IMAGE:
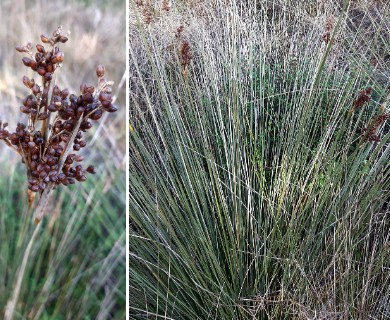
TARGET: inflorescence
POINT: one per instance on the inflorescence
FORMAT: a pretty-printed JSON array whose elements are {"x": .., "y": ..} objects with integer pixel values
[{"x": 50, "y": 141}]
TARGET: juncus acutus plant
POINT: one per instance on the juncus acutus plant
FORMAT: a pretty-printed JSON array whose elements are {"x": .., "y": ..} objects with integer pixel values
[{"x": 51, "y": 133}]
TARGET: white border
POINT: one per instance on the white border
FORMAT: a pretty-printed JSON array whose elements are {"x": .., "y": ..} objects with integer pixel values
[{"x": 127, "y": 160}]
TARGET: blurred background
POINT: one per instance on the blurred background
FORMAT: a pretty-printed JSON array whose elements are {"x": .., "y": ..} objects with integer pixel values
[{"x": 76, "y": 268}]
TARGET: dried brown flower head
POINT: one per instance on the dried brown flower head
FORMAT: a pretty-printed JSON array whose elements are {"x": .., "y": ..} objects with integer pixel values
[
  {"x": 370, "y": 132},
  {"x": 56, "y": 120},
  {"x": 363, "y": 97},
  {"x": 184, "y": 50}
]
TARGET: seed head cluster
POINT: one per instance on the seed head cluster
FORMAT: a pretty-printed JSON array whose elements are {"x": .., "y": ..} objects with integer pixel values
[
  {"x": 56, "y": 120},
  {"x": 184, "y": 50},
  {"x": 363, "y": 97},
  {"x": 370, "y": 131}
]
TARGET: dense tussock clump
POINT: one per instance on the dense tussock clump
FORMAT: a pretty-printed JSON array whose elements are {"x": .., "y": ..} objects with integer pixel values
[{"x": 258, "y": 173}]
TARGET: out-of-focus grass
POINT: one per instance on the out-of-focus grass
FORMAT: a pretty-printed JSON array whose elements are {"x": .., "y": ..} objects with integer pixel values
[
  {"x": 77, "y": 266},
  {"x": 76, "y": 269}
]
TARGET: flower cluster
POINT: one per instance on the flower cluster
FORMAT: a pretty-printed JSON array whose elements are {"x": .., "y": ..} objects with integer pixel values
[
  {"x": 363, "y": 97},
  {"x": 329, "y": 24},
  {"x": 50, "y": 141},
  {"x": 370, "y": 132},
  {"x": 184, "y": 50},
  {"x": 147, "y": 10}
]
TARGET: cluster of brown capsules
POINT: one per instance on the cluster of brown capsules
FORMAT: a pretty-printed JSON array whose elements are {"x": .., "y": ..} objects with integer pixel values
[{"x": 50, "y": 141}]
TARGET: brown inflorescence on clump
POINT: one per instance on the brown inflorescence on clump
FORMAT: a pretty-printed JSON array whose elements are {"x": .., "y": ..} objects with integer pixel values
[
  {"x": 57, "y": 120},
  {"x": 329, "y": 25},
  {"x": 147, "y": 10},
  {"x": 184, "y": 50},
  {"x": 363, "y": 97},
  {"x": 369, "y": 133}
]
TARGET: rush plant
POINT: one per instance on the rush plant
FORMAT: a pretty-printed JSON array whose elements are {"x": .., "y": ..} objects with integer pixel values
[{"x": 259, "y": 178}]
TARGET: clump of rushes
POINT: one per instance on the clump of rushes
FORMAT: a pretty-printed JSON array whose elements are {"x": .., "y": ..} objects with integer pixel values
[{"x": 56, "y": 121}]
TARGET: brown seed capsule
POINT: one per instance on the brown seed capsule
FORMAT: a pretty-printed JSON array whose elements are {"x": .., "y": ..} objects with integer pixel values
[
  {"x": 21, "y": 49},
  {"x": 29, "y": 101},
  {"x": 69, "y": 112},
  {"x": 100, "y": 71},
  {"x": 80, "y": 111},
  {"x": 82, "y": 87},
  {"x": 43, "y": 116},
  {"x": 87, "y": 98},
  {"x": 96, "y": 115},
  {"x": 32, "y": 181},
  {"x": 62, "y": 39},
  {"x": 39, "y": 57},
  {"x": 52, "y": 172},
  {"x": 25, "y": 109},
  {"x": 36, "y": 89},
  {"x": 50, "y": 161},
  {"x": 33, "y": 65},
  {"x": 31, "y": 144},
  {"x": 112, "y": 108},
  {"x": 106, "y": 104},
  {"x": 44, "y": 38},
  {"x": 64, "y": 137},
  {"x": 41, "y": 71},
  {"x": 31, "y": 83},
  {"x": 56, "y": 91},
  {"x": 49, "y": 68},
  {"x": 43, "y": 174},
  {"x": 82, "y": 178},
  {"x": 48, "y": 76},
  {"x": 35, "y": 173},
  {"x": 26, "y": 81},
  {"x": 91, "y": 169},
  {"x": 34, "y": 188},
  {"x": 85, "y": 125},
  {"x": 105, "y": 97},
  {"x": 58, "y": 57},
  {"x": 52, "y": 107},
  {"x": 27, "y": 61},
  {"x": 42, "y": 186},
  {"x": 40, "y": 48},
  {"x": 64, "y": 93},
  {"x": 33, "y": 165}
]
